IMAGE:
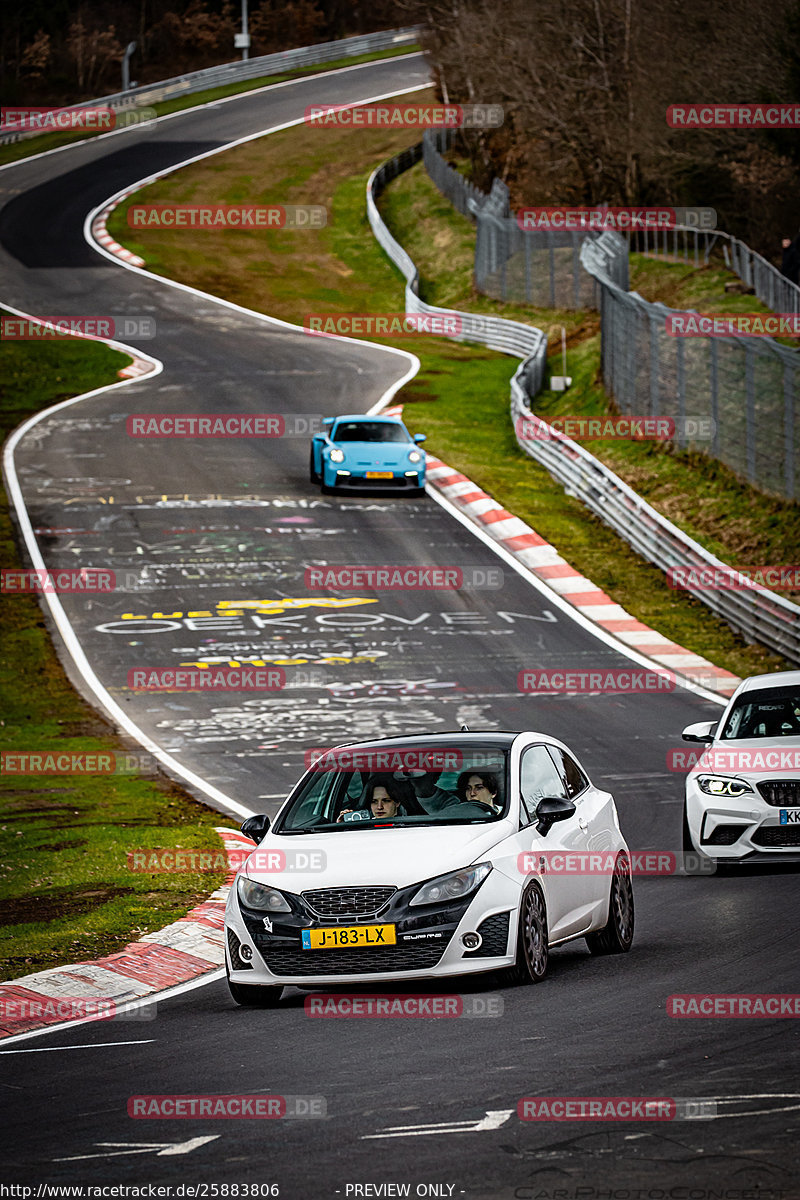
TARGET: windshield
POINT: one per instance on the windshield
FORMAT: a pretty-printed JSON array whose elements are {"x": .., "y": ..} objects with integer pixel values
[
  {"x": 768, "y": 713},
  {"x": 369, "y": 431},
  {"x": 449, "y": 786}
]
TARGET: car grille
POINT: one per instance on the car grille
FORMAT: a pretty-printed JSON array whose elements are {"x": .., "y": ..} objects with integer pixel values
[
  {"x": 494, "y": 931},
  {"x": 724, "y": 835},
  {"x": 237, "y": 962},
  {"x": 347, "y": 902},
  {"x": 353, "y": 962},
  {"x": 781, "y": 793},
  {"x": 777, "y": 835}
]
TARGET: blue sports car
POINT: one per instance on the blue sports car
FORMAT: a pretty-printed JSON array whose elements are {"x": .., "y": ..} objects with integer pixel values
[{"x": 367, "y": 452}]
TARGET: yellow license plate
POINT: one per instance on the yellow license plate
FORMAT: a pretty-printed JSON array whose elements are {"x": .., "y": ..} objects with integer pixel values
[
  {"x": 349, "y": 936},
  {"x": 380, "y": 475}
]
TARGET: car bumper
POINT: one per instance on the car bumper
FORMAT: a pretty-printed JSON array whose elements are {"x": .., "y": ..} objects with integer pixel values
[
  {"x": 429, "y": 944},
  {"x": 400, "y": 481},
  {"x": 744, "y": 828}
]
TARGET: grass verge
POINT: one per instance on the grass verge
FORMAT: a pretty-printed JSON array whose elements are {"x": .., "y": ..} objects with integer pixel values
[
  {"x": 17, "y": 151},
  {"x": 65, "y": 886},
  {"x": 460, "y": 398}
]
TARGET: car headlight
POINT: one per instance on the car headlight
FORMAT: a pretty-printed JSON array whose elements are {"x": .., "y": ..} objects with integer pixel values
[
  {"x": 453, "y": 886},
  {"x": 414, "y": 456},
  {"x": 260, "y": 896},
  {"x": 722, "y": 785},
  {"x": 336, "y": 455}
]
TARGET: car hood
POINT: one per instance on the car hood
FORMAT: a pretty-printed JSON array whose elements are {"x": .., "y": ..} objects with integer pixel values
[
  {"x": 752, "y": 758},
  {"x": 380, "y": 856},
  {"x": 371, "y": 453}
]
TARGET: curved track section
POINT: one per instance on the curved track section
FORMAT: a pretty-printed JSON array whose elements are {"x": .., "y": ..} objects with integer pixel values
[{"x": 215, "y": 538}]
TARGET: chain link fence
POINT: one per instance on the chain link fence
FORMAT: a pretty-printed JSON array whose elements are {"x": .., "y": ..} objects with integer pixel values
[
  {"x": 526, "y": 266},
  {"x": 685, "y": 244},
  {"x": 745, "y": 389}
]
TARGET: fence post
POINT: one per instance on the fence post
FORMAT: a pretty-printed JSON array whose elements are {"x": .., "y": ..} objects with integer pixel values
[
  {"x": 750, "y": 412},
  {"x": 713, "y": 350},
  {"x": 789, "y": 377}
]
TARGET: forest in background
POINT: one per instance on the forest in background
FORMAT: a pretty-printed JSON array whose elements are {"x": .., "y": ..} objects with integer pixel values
[{"x": 585, "y": 84}]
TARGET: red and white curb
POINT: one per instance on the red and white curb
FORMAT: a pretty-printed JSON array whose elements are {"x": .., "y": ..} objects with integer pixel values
[
  {"x": 101, "y": 234},
  {"x": 544, "y": 561},
  {"x": 139, "y": 366},
  {"x": 185, "y": 950}
]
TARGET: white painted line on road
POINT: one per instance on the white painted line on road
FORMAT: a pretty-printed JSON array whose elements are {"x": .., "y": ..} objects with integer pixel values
[
  {"x": 494, "y": 1119},
  {"x": 162, "y": 1149},
  {"x": 145, "y": 1002},
  {"x": 85, "y": 1046}
]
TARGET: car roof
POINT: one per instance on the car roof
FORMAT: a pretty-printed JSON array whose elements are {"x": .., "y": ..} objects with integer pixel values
[
  {"x": 367, "y": 417},
  {"x": 754, "y": 683},
  {"x": 500, "y": 739}
]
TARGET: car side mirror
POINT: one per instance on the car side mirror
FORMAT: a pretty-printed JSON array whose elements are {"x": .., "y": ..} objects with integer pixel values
[
  {"x": 701, "y": 731},
  {"x": 255, "y": 827},
  {"x": 551, "y": 809},
  {"x": 327, "y": 421},
  {"x": 420, "y": 437}
]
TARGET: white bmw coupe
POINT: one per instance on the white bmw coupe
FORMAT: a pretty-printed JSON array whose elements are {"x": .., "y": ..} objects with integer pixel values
[
  {"x": 743, "y": 793},
  {"x": 426, "y": 857}
]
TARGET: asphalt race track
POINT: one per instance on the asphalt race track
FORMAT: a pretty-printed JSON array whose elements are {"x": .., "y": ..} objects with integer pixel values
[{"x": 208, "y": 535}]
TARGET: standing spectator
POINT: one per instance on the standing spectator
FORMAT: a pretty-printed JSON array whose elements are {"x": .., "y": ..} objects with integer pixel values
[{"x": 790, "y": 259}]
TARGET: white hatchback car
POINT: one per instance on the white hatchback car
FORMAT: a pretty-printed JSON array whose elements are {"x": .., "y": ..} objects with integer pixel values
[
  {"x": 743, "y": 794},
  {"x": 425, "y": 857}
]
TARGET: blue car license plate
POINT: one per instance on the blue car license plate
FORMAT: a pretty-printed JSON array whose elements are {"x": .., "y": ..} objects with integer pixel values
[{"x": 790, "y": 816}]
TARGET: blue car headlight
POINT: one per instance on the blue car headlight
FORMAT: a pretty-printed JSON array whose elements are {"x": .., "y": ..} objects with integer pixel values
[
  {"x": 336, "y": 455},
  {"x": 414, "y": 456}
]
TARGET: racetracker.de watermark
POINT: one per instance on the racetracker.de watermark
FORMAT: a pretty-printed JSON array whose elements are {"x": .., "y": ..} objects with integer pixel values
[
  {"x": 56, "y": 120},
  {"x": 44, "y": 329},
  {"x": 399, "y": 578},
  {"x": 220, "y": 425},
  {"x": 718, "y": 579},
  {"x": 595, "y": 679},
  {"x": 404, "y": 116},
  {"x": 226, "y": 1107},
  {"x": 397, "y": 324},
  {"x": 734, "y": 1004},
  {"x": 637, "y": 429},
  {"x": 641, "y": 862},
  {"x": 64, "y": 762},
  {"x": 620, "y": 220},
  {"x": 155, "y": 860},
  {"x": 227, "y": 216},
  {"x": 26, "y": 1011},
  {"x": 734, "y": 116},
  {"x": 65, "y": 581},
  {"x": 403, "y": 758},
  {"x": 402, "y": 1005},
  {"x": 730, "y": 761},
  {"x": 614, "y": 1108},
  {"x": 212, "y": 679},
  {"x": 689, "y": 324}
]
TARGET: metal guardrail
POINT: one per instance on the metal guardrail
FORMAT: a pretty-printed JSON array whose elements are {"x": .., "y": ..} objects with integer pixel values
[
  {"x": 683, "y": 242},
  {"x": 539, "y": 267},
  {"x": 756, "y": 613},
  {"x": 747, "y": 388},
  {"x": 510, "y": 337},
  {"x": 240, "y": 71}
]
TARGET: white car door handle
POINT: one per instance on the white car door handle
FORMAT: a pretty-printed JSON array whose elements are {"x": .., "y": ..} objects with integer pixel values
[{"x": 584, "y": 824}]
